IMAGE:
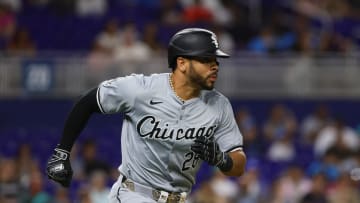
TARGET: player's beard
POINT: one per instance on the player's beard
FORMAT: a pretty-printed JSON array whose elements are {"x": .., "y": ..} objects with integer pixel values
[{"x": 199, "y": 80}]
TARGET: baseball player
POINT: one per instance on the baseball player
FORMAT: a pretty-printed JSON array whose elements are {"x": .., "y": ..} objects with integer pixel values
[{"x": 173, "y": 122}]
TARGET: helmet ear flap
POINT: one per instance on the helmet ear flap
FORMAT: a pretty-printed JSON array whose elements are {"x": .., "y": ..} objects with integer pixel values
[
  {"x": 172, "y": 57},
  {"x": 172, "y": 63}
]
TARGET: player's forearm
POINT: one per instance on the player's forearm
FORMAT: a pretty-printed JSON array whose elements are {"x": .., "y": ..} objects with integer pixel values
[
  {"x": 239, "y": 160},
  {"x": 78, "y": 118}
]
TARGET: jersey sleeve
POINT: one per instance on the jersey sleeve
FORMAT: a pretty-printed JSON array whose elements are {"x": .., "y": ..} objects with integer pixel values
[
  {"x": 119, "y": 94},
  {"x": 228, "y": 135}
]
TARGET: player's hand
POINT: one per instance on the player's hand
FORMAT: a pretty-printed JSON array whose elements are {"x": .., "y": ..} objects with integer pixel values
[
  {"x": 59, "y": 168},
  {"x": 208, "y": 150}
]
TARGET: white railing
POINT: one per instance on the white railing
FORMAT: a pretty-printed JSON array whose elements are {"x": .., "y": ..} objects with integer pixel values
[{"x": 246, "y": 75}]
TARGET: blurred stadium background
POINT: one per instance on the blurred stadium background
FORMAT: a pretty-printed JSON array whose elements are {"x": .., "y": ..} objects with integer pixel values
[{"x": 293, "y": 80}]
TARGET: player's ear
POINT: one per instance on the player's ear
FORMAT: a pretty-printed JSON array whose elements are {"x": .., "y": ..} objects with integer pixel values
[{"x": 181, "y": 63}]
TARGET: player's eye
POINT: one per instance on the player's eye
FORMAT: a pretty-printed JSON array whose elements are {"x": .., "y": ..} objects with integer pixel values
[{"x": 211, "y": 61}]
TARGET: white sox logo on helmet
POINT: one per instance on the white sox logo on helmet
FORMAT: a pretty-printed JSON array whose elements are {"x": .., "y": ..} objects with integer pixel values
[{"x": 214, "y": 41}]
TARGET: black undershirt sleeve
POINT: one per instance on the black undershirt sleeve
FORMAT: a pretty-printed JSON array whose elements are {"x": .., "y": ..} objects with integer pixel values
[{"x": 78, "y": 118}]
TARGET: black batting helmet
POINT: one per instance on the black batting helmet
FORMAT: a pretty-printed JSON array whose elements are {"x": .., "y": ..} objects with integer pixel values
[{"x": 193, "y": 42}]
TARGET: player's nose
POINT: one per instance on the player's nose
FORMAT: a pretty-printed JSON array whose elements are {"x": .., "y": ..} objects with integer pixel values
[{"x": 214, "y": 67}]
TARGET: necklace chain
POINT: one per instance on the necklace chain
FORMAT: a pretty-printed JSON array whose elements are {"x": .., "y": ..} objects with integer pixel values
[{"x": 173, "y": 89}]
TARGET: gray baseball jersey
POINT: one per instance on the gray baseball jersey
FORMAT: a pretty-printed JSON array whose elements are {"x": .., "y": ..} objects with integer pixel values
[{"x": 158, "y": 128}]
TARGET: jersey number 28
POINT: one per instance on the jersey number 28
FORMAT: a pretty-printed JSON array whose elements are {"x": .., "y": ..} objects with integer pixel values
[{"x": 191, "y": 160}]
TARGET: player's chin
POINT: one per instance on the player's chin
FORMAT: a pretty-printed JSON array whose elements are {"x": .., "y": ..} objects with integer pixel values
[{"x": 209, "y": 85}]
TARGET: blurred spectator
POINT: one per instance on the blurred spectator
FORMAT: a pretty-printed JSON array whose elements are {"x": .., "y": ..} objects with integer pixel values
[
  {"x": 21, "y": 43},
  {"x": 344, "y": 191},
  {"x": 350, "y": 162},
  {"x": 338, "y": 135},
  {"x": 131, "y": 48},
  {"x": 77, "y": 164},
  {"x": 170, "y": 12},
  {"x": 37, "y": 191},
  {"x": 264, "y": 42},
  {"x": 83, "y": 194},
  {"x": 7, "y": 23},
  {"x": 273, "y": 195},
  {"x": 10, "y": 188},
  {"x": 281, "y": 124},
  {"x": 91, "y": 162},
  {"x": 336, "y": 19},
  {"x": 281, "y": 151},
  {"x": 218, "y": 189},
  {"x": 285, "y": 35},
  {"x": 307, "y": 37},
  {"x": 14, "y": 5},
  {"x": 221, "y": 11},
  {"x": 334, "y": 42},
  {"x": 197, "y": 13},
  {"x": 328, "y": 25},
  {"x": 292, "y": 186},
  {"x": 98, "y": 190},
  {"x": 109, "y": 38},
  {"x": 151, "y": 39},
  {"x": 337, "y": 9},
  {"x": 327, "y": 165},
  {"x": 276, "y": 36},
  {"x": 204, "y": 194},
  {"x": 98, "y": 61},
  {"x": 250, "y": 186},
  {"x": 240, "y": 28},
  {"x": 317, "y": 193},
  {"x": 314, "y": 9},
  {"x": 91, "y": 7},
  {"x": 314, "y": 122},
  {"x": 25, "y": 164},
  {"x": 279, "y": 130},
  {"x": 99, "y": 58},
  {"x": 224, "y": 188},
  {"x": 61, "y": 195},
  {"x": 248, "y": 129}
]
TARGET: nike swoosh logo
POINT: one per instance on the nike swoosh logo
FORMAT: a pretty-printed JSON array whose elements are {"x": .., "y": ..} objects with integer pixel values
[{"x": 155, "y": 102}]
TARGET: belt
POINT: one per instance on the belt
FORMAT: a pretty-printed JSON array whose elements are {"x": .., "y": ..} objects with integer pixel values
[{"x": 158, "y": 195}]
